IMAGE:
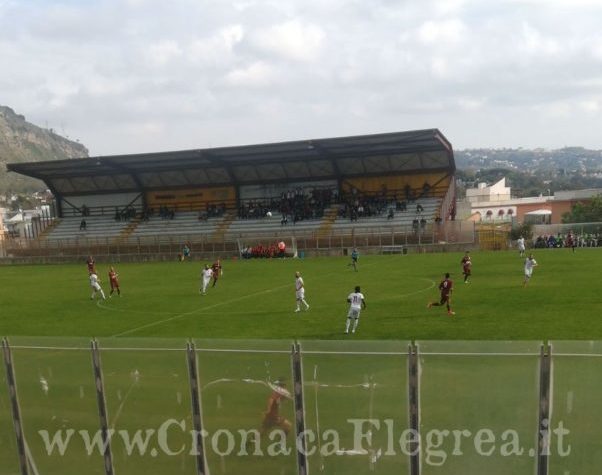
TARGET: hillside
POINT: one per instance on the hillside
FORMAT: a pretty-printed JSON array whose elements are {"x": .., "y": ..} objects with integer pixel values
[
  {"x": 21, "y": 141},
  {"x": 531, "y": 172}
]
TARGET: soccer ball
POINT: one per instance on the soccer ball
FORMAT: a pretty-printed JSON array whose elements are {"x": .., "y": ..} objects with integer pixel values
[{"x": 268, "y": 214}]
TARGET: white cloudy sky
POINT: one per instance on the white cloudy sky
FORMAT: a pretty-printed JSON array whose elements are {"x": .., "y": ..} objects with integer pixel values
[{"x": 127, "y": 76}]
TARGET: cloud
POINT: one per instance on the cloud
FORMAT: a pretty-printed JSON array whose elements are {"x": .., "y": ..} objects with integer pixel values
[
  {"x": 441, "y": 32},
  {"x": 158, "y": 75},
  {"x": 292, "y": 40},
  {"x": 258, "y": 74},
  {"x": 162, "y": 52}
]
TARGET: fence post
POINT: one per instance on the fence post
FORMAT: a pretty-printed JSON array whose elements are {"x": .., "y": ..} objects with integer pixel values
[
  {"x": 543, "y": 432},
  {"x": 102, "y": 408},
  {"x": 197, "y": 419},
  {"x": 300, "y": 440},
  {"x": 414, "y": 408},
  {"x": 16, "y": 410}
]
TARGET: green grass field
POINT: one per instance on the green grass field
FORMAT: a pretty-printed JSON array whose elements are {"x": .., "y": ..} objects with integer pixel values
[
  {"x": 142, "y": 335},
  {"x": 255, "y": 299}
]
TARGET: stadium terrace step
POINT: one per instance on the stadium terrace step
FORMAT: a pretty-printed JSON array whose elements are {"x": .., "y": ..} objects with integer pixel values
[
  {"x": 96, "y": 227},
  {"x": 330, "y": 216},
  {"x": 183, "y": 224},
  {"x": 48, "y": 229},
  {"x": 129, "y": 229},
  {"x": 222, "y": 227}
]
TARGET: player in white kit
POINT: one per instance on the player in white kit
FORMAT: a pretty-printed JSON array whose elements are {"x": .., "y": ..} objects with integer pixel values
[
  {"x": 206, "y": 275},
  {"x": 520, "y": 242},
  {"x": 300, "y": 292},
  {"x": 530, "y": 263},
  {"x": 95, "y": 284},
  {"x": 356, "y": 304}
]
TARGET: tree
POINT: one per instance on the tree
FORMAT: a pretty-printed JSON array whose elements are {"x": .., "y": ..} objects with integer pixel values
[{"x": 590, "y": 212}]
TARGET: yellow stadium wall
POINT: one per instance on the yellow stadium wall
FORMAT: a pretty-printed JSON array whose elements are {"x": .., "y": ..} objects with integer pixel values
[
  {"x": 192, "y": 198},
  {"x": 397, "y": 183}
]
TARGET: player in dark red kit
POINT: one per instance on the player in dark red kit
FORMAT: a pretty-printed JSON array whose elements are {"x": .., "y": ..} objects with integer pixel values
[
  {"x": 272, "y": 417},
  {"x": 113, "y": 279},
  {"x": 446, "y": 287},
  {"x": 91, "y": 263},
  {"x": 466, "y": 266},
  {"x": 216, "y": 267},
  {"x": 571, "y": 240}
]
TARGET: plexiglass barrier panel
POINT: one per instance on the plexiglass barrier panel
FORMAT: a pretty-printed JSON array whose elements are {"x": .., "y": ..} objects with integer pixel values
[
  {"x": 576, "y": 432},
  {"x": 58, "y": 405},
  {"x": 248, "y": 412},
  {"x": 479, "y": 407},
  {"x": 8, "y": 446},
  {"x": 356, "y": 406},
  {"x": 148, "y": 402}
]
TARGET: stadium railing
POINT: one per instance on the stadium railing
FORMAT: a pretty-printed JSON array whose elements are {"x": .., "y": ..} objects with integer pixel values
[
  {"x": 72, "y": 406},
  {"x": 372, "y": 239}
]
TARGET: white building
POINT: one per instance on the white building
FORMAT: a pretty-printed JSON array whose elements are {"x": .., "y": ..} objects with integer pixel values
[{"x": 496, "y": 192}]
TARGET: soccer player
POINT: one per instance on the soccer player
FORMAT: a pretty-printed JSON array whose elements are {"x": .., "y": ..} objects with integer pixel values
[
  {"x": 571, "y": 240},
  {"x": 466, "y": 266},
  {"x": 216, "y": 268},
  {"x": 300, "y": 292},
  {"x": 206, "y": 275},
  {"x": 354, "y": 257},
  {"x": 95, "y": 284},
  {"x": 272, "y": 417},
  {"x": 114, "y": 281},
  {"x": 186, "y": 252},
  {"x": 356, "y": 304},
  {"x": 520, "y": 242},
  {"x": 446, "y": 287},
  {"x": 530, "y": 263},
  {"x": 91, "y": 263}
]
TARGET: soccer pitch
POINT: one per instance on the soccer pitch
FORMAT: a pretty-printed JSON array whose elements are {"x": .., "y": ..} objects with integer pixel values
[
  {"x": 243, "y": 329},
  {"x": 255, "y": 299}
]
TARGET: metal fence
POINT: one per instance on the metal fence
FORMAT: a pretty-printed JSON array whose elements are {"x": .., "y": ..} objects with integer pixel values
[
  {"x": 139, "y": 406},
  {"x": 371, "y": 239}
]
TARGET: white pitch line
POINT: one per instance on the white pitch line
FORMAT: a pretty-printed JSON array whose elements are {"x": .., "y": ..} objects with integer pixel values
[
  {"x": 220, "y": 304},
  {"x": 195, "y": 311}
]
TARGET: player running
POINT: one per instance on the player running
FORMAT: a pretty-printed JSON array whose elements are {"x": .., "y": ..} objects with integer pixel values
[
  {"x": 520, "y": 242},
  {"x": 216, "y": 267},
  {"x": 300, "y": 292},
  {"x": 91, "y": 263},
  {"x": 354, "y": 257},
  {"x": 114, "y": 281},
  {"x": 206, "y": 275},
  {"x": 530, "y": 263},
  {"x": 356, "y": 304},
  {"x": 446, "y": 287},
  {"x": 272, "y": 417},
  {"x": 95, "y": 284},
  {"x": 466, "y": 267}
]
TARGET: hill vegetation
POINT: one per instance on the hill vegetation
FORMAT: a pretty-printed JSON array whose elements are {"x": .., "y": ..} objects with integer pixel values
[{"x": 21, "y": 141}]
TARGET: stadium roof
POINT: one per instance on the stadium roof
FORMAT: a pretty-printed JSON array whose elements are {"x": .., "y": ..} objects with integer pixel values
[{"x": 304, "y": 160}]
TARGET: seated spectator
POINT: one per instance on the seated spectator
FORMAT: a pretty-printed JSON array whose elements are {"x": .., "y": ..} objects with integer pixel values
[
  {"x": 419, "y": 208},
  {"x": 83, "y": 225},
  {"x": 391, "y": 214}
]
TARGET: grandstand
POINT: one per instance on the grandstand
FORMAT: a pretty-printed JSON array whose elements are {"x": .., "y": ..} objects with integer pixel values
[{"x": 396, "y": 184}]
